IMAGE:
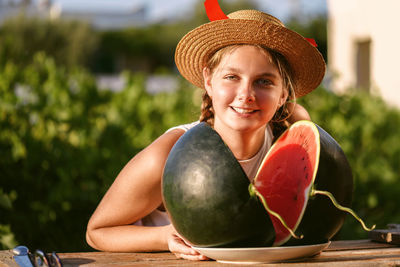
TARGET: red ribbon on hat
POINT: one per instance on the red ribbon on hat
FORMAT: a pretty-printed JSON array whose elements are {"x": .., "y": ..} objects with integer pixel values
[
  {"x": 312, "y": 41},
  {"x": 214, "y": 11}
]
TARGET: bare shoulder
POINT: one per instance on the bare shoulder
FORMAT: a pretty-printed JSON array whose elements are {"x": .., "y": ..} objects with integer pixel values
[
  {"x": 143, "y": 173},
  {"x": 162, "y": 145},
  {"x": 299, "y": 113},
  {"x": 153, "y": 157}
]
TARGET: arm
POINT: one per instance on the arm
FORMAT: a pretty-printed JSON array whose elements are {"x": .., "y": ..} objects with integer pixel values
[{"x": 134, "y": 194}]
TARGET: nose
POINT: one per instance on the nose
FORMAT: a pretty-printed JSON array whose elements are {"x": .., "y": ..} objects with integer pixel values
[{"x": 246, "y": 93}]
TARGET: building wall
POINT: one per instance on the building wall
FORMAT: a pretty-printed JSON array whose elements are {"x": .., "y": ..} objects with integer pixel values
[{"x": 355, "y": 25}]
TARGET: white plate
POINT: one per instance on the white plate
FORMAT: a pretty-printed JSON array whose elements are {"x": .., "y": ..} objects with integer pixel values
[{"x": 261, "y": 254}]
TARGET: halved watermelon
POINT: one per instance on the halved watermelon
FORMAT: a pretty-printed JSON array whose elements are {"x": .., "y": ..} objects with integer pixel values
[
  {"x": 303, "y": 164},
  {"x": 206, "y": 192}
]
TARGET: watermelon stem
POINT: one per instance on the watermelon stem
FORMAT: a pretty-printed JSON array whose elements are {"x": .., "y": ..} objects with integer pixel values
[
  {"x": 253, "y": 191},
  {"x": 340, "y": 207}
]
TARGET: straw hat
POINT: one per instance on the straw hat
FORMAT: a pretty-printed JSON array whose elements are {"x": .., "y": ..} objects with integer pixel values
[{"x": 250, "y": 27}]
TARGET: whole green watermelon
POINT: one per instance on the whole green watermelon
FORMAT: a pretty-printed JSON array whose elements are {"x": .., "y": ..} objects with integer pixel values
[{"x": 205, "y": 193}]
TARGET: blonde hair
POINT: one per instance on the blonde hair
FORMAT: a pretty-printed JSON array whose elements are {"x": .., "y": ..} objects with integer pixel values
[{"x": 278, "y": 122}]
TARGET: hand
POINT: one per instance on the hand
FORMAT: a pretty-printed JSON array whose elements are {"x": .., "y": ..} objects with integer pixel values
[{"x": 181, "y": 249}]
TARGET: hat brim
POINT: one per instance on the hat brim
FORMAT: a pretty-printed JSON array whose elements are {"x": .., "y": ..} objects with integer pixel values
[{"x": 196, "y": 47}]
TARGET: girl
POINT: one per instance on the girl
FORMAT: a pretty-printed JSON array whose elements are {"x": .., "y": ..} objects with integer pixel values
[{"x": 250, "y": 66}]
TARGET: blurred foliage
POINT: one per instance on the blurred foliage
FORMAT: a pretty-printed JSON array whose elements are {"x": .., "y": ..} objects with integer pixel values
[
  {"x": 369, "y": 132},
  {"x": 7, "y": 239},
  {"x": 63, "y": 141},
  {"x": 314, "y": 28},
  {"x": 137, "y": 49},
  {"x": 68, "y": 42}
]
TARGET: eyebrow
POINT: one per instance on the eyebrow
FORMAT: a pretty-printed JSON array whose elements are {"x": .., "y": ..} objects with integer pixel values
[{"x": 263, "y": 74}]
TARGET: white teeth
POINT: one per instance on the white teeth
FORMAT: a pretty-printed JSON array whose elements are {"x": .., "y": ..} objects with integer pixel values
[{"x": 242, "y": 110}]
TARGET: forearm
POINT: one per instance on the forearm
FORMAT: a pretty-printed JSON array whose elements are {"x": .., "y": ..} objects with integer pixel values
[{"x": 129, "y": 238}]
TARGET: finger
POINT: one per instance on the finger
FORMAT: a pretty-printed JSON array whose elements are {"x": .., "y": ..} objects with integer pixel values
[
  {"x": 191, "y": 257},
  {"x": 202, "y": 257},
  {"x": 180, "y": 246}
]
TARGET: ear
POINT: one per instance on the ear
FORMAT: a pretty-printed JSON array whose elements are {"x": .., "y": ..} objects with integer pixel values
[
  {"x": 284, "y": 96},
  {"x": 207, "y": 77}
]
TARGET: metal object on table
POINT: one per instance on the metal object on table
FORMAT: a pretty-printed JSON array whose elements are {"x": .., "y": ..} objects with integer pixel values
[
  {"x": 42, "y": 259},
  {"x": 24, "y": 258},
  {"x": 391, "y": 235},
  {"x": 393, "y": 226}
]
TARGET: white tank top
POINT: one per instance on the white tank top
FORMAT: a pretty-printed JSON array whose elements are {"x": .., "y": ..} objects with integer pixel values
[{"x": 250, "y": 167}]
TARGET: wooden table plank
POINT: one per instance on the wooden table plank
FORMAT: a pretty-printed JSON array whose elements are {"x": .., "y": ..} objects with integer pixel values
[
  {"x": 364, "y": 257},
  {"x": 6, "y": 259},
  {"x": 357, "y": 244},
  {"x": 339, "y": 253}
]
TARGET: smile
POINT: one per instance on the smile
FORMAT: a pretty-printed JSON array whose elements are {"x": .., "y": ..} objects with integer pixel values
[{"x": 244, "y": 110}]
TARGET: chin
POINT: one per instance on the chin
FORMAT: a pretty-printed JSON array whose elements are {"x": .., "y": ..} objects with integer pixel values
[{"x": 247, "y": 126}]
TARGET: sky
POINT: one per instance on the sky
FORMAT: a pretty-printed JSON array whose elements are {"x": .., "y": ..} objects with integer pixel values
[{"x": 160, "y": 9}]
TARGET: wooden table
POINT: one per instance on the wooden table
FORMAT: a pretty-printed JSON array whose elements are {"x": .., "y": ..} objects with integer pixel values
[{"x": 339, "y": 253}]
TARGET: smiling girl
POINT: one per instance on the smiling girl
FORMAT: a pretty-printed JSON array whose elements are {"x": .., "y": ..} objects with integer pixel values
[{"x": 251, "y": 69}]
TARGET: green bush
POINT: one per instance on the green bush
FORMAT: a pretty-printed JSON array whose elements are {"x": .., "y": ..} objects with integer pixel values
[
  {"x": 7, "y": 238},
  {"x": 63, "y": 142},
  {"x": 70, "y": 43}
]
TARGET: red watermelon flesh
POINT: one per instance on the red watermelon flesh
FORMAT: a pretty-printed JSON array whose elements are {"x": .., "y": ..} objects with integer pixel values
[{"x": 286, "y": 176}]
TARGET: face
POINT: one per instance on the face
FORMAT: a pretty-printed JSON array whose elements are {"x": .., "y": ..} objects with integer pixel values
[{"x": 246, "y": 89}]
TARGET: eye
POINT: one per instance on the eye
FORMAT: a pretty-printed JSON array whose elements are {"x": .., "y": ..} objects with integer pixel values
[
  {"x": 263, "y": 82},
  {"x": 230, "y": 77}
]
